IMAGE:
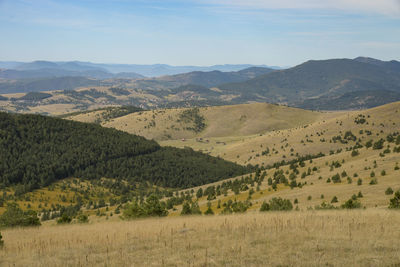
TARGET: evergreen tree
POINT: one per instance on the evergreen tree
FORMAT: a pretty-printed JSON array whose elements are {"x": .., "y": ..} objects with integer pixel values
[
  {"x": 395, "y": 201},
  {"x": 186, "y": 210},
  {"x": 209, "y": 210}
]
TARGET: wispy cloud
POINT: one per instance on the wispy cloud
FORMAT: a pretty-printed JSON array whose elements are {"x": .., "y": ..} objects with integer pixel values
[{"x": 383, "y": 7}]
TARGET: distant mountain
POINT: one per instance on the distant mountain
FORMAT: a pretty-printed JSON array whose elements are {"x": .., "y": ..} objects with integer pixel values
[
  {"x": 392, "y": 65},
  {"x": 154, "y": 70},
  {"x": 44, "y": 69},
  {"x": 47, "y": 73},
  {"x": 352, "y": 100},
  {"x": 37, "y": 65},
  {"x": 9, "y": 64},
  {"x": 214, "y": 78},
  {"x": 46, "y": 84},
  {"x": 313, "y": 80},
  {"x": 157, "y": 70}
]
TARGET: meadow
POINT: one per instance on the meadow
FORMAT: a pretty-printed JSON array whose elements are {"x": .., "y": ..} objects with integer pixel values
[{"x": 309, "y": 238}]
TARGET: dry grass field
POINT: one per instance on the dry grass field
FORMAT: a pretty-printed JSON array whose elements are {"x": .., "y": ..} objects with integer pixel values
[
  {"x": 221, "y": 121},
  {"x": 329, "y": 238}
]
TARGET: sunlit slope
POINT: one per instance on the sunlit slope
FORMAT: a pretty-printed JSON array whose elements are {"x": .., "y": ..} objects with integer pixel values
[
  {"x": 220, "y": 121},
  {"x": 311, "y": 138}
]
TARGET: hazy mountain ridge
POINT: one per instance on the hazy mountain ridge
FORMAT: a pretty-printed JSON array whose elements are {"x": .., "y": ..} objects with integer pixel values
[
  {"x": 153, "y": 70},
  {"x": 316, "y": 84},
  {"x": 315, "y": 79}
]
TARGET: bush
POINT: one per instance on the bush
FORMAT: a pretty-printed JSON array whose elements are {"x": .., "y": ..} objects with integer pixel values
[
  {"x": 336, "y": 178},
  {"x": 209, "y": 211},
  {"x": 352, "y": 204},
  {"x": 395, "y": 201},
  {"x": 15, "y": 216},
  {"x": 64, "y": 219},
  {"x": 236, "y": 207},
  {"x": 152, "y": 207},
  {"x": 83, "y": 218},
  {"x": 325, "y": 206},
  {"x": 378, "y": 144},
  {"x": 355, "y": 153},
  {"x": 277, "y": 204},
  {"x": 389, "y": 191},
  {"x": 190, "y": 208},
  {"x": 1, "y": 240},
  {"x": 334, "y": 199},
  {"x": 373, "y": 181},
  {"x": 359, "y": 181}
]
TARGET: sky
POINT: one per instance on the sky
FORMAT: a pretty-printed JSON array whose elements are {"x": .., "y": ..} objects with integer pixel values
[{"x": 198, "y": 32}]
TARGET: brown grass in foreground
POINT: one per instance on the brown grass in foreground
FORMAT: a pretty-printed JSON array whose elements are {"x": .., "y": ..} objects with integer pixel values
[{"x": 333, "y": 238}]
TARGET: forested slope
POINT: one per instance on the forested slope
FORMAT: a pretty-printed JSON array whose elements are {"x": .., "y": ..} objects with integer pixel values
[{"x": 36, "y": 151}]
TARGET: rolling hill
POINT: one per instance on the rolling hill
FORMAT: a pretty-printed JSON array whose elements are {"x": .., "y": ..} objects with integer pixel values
[{"x": 220, "y": 121}]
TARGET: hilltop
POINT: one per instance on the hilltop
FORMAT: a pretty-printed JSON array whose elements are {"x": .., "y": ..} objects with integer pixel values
[{"x": 219, "y": 121}]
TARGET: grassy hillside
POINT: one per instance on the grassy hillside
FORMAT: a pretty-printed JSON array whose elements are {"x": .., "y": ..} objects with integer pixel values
[{"x": 221, "y": 121}]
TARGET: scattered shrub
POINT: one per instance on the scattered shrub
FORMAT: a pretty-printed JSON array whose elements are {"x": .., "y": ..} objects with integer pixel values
[
  {"x": 389, "y": 191},
  {"x": 325, "y": 206},
  {"x": 373, "y": 181},
  {"x": 209, "y": 211},
  {"x": 277, "y": 204},
  {"x": 395, "y": 201},
  {"x": 83, "y": 218},
  {"x": 334, "y": 199},
  {"x": 351, "y": 204},
  {"x": 64, "y": 219},
  {"x": 152, "y": 207}
]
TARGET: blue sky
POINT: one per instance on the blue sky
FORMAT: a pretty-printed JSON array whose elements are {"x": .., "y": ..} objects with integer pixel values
[{"x": 198, "y": 32}]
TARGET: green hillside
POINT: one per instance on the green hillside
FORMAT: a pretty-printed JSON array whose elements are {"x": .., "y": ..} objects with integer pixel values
[{"x": 36, "y": 151}]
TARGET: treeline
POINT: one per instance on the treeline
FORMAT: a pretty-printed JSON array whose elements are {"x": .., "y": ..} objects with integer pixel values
[{"x": 36, "y": 151}]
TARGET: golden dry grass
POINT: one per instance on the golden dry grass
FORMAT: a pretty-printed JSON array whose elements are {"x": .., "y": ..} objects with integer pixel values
[
  {"x": 248, "y": 149},
  {"x": 221, "y": 121},
  {"x": 332, "y": 238}
]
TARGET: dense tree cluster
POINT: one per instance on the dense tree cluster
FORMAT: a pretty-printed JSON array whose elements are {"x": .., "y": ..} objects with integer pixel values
[
  {"x": 36, "y": 151},
  {"x": 15, "y": 216},
  {"x": 152, "y": 207}
]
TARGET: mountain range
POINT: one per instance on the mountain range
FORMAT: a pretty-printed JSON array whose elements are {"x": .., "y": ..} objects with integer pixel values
[
  {"x": 322, "y": 80},
  {"x": 332, "y": 84},
  {"x": 104, "y": 71}
]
